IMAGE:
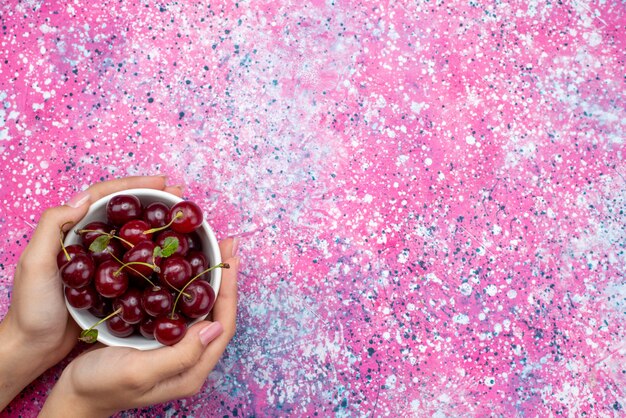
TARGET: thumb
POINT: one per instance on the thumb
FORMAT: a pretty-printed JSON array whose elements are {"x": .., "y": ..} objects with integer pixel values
[
  {"x": 170, "y": 361},
  {"x": 46, "y": 240}
]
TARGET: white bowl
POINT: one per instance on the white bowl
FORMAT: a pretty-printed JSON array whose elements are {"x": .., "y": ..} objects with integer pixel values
[{"x": 97, "y": 212}]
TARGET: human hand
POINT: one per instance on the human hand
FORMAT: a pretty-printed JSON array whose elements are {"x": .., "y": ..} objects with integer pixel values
[
  {"x": 37, "y": 331},
  {"x": 106, "y": 380}
]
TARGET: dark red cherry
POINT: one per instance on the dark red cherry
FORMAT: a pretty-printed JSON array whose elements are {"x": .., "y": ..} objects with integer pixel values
[
  {"x": 156, "y": 301},
  {"x": 169, "y": 330},
  {"x": 183, "y": 244},
  {"x": 198, "y": 263},
  {"x": 142, "y": 252},
  {"x": 194, "y": 241},
  {"x": 72, "y": 250},
  {"x": 123, "y": 208},
  {"x": 146, "y": 327},
  {"x": 83, "y": 298},
  {"x": 200, "y": 301},
  {"x": 133, "y": 232},
  {"x": 130, "y": 302},
  {"x": 79, "y": 271},
  {"x": 120, "y": 328},
  {"x": 155, "y": 214},
  {"x": 109, "y": 280},
  {"x": 101, "y": 307},
  {"x": 113, "y": 248},
  {"x": 95, "y": 229},
  {"x": 175, "y": 271},
  {"x": 190, "y": 219}
]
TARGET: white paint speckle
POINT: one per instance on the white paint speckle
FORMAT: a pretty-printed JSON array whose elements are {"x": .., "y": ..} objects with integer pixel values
[
  {"x": 403, "y": 257},
  {"x": 465, "y": 289},
  {"x": 461, "y": 319}
]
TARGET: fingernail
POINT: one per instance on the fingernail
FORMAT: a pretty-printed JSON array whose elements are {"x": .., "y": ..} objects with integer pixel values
[
  {"x": 210, "y": 332},
  {"x": 78, "y": 200},
  {"x": 164, "y": 177},
  {"x": 235, "y": 248}
]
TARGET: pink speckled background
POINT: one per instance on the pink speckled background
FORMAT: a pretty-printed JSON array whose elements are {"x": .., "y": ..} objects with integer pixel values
[{"x": 430, "y": 194}]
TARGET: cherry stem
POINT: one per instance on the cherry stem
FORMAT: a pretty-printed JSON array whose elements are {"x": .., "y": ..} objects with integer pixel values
[
  {"x": 135, "y": 270},
  {"x": 67, "y": 255},
  {"x": 179, "y": 214},
  {"x": 220, "y": 265},
  {"x": 61, "y": 236},
  {"x": 111, "y": 315},
  {"x": 109, "y": 234},
  {"x": 137, "y": 263},
  {"x": 176, "y": 289},
  {"x": 153, "y": 266}
]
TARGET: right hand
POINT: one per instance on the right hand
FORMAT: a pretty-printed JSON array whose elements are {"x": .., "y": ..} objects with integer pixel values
[{"x": 106, "y": 380}]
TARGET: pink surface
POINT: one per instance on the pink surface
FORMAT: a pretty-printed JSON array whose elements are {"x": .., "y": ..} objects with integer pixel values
[{"x": 430, "y": 195}]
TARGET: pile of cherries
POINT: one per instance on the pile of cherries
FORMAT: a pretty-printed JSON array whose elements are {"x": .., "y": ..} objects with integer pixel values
[{"x": 142, "y": 271}]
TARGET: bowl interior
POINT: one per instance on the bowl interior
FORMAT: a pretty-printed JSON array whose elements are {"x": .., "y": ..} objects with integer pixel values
[{"x": 97, "y": 212}]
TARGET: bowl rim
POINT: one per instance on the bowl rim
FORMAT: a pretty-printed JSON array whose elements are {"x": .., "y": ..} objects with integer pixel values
[{"x": 138, "y": 342}]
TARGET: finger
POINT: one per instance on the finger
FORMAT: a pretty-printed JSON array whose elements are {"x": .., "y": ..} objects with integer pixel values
[
  {"x": 225, "y": 309},
  {"x": 169, "y": 361},
  {"x": 105, "y": 188},
  {"x": 190, "y": 381},
  {"x": 45, "y": 242},
  {"x": 175, "y": 190}
]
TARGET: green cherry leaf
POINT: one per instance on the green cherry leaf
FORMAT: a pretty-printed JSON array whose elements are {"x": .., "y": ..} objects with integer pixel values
[
  {"x": 170, "y": 245},
  {"x": 89, "y": 336},
  {"x": 99, "y": 244},
  {"x": 157, "y": 252}
]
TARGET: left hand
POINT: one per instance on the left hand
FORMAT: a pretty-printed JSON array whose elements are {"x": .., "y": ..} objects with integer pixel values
[{"x": 37, "y": 331}]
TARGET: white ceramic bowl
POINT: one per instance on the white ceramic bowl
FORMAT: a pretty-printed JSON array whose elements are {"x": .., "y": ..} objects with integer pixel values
[{"x": 97, "y": 212}]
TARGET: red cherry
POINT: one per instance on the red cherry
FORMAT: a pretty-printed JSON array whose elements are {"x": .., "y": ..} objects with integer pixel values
[
  {"x": 130, "y": 302},
  {"x": 169, "y": 330},
  {"x": 191, "y": 217},
  {"x": 133, "y": 232},
  {"x": 113, "y": 248},
  {"x": 101, "y": 307},
  {"x": 194, "y": 241},
  {"x": 175, "y": 271},
  {"x": 198, "y": 263},
  {"x": 120, "y": 328},
  {"x": 146, "y": 327},
  {"x": 123, "y": 208},
  {"x": 72, "y": 250},
  {"x": 155, "y": 214},
  {"x": 96, "y": 229},
  {"x": 156, "y": 301},
  {"x": 200, "y": 301},
  {"x": 83, "y": 298},
  {"x": 142, "y": 252},
  {"x": 109, "y": 280},
  {"x": 79, "y": 271},
  {"x": 183, "y": 244}
]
